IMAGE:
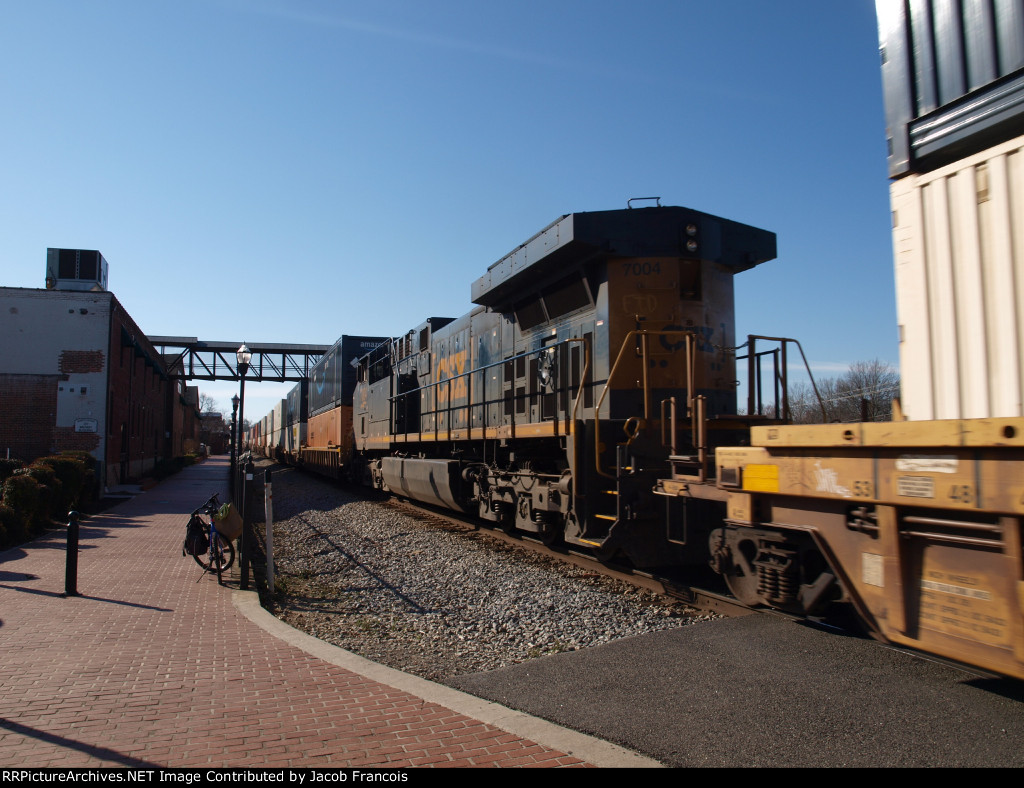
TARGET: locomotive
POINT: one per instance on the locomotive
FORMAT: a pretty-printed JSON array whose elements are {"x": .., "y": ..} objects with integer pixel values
[{"x": 600, "y": 357}]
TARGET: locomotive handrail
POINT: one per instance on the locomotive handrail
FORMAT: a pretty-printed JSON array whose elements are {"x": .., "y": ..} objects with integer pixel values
[
  {"x": 689, "y": 339},
  {"x": 447, "y": 410},
  {"x": 752, "y": 374}
]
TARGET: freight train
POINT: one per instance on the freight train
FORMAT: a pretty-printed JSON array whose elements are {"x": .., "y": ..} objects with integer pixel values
[{"x": 591, "y": 397}]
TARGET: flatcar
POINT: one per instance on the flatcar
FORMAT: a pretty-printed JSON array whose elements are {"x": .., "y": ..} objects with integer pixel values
[
  {"x": 916, "y": 525},
  {"x": 317, "y": 413}
]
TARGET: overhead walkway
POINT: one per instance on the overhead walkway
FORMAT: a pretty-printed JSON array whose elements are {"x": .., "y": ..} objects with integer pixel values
[{"x": 191, "y": 358}]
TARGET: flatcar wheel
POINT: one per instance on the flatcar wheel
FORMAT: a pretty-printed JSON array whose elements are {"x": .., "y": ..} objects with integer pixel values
[
  {"x": 742, "y": 576},
  {"x": 550, "y": 534}
]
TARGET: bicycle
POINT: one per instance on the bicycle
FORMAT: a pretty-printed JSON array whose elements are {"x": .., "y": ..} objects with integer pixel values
[{"x": 218, "y": 554}]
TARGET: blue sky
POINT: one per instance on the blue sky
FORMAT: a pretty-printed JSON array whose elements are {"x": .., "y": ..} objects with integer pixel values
[{"x": 294, "y": 170}]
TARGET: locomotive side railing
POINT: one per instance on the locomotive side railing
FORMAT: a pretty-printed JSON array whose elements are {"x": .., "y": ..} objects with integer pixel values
[
  {"x": 441, "y": 390},
  {"x": 696, "y": 405},
  {"x": 780, "y": 377}
]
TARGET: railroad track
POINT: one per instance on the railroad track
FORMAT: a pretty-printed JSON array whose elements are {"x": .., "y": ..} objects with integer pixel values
[
  {"x": 671, "y": 589},
  {"x": 699, "y": 598}
]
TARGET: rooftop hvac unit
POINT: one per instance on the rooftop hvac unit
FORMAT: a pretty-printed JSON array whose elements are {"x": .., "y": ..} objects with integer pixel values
[{"x": 75, "y": 269}]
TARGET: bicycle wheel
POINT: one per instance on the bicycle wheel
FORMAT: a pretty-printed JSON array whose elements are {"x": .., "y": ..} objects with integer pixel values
[{"x": 223, "y": 553}]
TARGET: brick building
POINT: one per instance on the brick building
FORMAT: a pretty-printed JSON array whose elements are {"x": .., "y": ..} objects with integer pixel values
[
  {"x": 214, "y": 432},
  {"x": 76, "y": 372}
]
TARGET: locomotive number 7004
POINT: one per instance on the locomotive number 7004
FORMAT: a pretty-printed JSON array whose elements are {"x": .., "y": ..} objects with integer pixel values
[{"x": 640, "y": 269}]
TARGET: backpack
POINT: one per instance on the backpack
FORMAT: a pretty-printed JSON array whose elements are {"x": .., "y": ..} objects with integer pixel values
[{"x": 196, "y": 540}]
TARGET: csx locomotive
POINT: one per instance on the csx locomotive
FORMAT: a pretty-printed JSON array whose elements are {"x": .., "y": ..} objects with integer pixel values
[
  {"x": 600, "y": 357},
  {"x": 591, "y": 398}
]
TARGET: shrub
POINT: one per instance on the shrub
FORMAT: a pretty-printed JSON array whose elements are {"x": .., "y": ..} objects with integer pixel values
[
  {"x": 71, "y": 472},
  {"x": 23, "y": 495},
  {"x": 90, "y": 490},
  {"x": 12, "y": 531},
  {"x": 8, "y": 467},
  {"x": 51, "y": 494}
]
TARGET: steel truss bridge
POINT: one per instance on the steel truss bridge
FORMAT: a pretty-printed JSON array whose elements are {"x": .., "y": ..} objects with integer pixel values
[{"x": 189, "y": 358}]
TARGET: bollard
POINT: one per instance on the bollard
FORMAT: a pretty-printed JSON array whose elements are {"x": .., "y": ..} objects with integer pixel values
[
  {"x": 269, "y": 503},
  {"x": 250, "y": 469},
  {"x": 71, "y": 567}
]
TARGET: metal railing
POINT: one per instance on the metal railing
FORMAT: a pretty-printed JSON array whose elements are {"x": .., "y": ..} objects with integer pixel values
[
  {"x": 780, "y": 377},
  {"x": 441, "y": 391},
  {"x": 635, "y": 423}
]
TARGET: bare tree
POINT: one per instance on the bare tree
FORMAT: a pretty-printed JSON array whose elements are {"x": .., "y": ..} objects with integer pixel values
[
  {"x": 863, "y": 393},
  {"x": 804, "y": 407},
  {"x": 207, "y": 404}
]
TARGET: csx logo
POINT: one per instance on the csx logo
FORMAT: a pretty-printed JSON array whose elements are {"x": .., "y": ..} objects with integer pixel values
[{"x": 449, "y": 367}]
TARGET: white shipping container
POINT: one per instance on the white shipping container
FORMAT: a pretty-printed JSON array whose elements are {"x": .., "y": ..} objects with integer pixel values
[{"x": 958, "y": 239}]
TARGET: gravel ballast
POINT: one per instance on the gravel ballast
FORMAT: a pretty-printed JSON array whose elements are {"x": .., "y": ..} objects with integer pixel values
[{"x": 437, "y": 602}]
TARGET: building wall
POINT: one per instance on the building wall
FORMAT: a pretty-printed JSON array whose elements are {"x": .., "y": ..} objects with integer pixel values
[
  {"x": 28, "y": 404},
  {"x": 184, "y": 419},
  {"x": 76, "y": 372},
  {"x": 141, "y": 394},
  {"x": 61, "y": 337}
]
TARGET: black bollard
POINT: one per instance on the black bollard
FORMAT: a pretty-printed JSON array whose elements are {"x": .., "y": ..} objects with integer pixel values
[
  {"x": 71, "y": 568},
  {"x": 245, "y": 545}
]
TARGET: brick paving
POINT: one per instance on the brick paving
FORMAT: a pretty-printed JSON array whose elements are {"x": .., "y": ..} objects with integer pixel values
[{"x": 155, "y": 666}]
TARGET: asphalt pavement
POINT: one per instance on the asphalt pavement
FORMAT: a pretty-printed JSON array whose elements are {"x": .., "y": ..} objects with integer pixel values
[{"x": 763, "y": 691}]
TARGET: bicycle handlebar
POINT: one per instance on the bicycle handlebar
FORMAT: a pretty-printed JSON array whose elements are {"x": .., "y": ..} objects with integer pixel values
[{"x": 211, "y": 505}]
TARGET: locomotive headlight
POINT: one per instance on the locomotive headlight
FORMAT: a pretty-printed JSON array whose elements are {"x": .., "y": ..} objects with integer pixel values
[
  {"x": 691, "y": 245},
  {"x": 691, "y": 229}
]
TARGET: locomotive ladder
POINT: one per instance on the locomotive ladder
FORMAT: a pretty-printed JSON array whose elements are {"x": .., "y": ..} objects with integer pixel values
[{"x": 613, "y": 508}]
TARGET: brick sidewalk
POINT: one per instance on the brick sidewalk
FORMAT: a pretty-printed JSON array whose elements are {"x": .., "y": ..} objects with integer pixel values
[{"x": 156, "y": 665}]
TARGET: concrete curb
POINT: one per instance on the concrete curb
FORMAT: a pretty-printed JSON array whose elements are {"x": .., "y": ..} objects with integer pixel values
[{"x": 587, "y": 748}]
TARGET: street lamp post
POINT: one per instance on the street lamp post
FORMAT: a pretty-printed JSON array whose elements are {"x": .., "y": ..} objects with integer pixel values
[{"x": 243, "y": 356}]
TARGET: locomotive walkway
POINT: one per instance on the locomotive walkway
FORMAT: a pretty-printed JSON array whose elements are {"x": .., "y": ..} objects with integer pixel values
[{"x": 155, "y": 665}]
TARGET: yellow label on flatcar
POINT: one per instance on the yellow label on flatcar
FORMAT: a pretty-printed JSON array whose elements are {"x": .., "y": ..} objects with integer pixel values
[{"x": 761, "y": 478}]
